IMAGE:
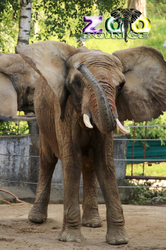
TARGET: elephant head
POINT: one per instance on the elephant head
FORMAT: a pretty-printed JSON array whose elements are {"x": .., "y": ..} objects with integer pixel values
[
  {"x": 17, "y": 85},
  {"x": 130, "y": 83},
  {"x": 91, "y": 78}
]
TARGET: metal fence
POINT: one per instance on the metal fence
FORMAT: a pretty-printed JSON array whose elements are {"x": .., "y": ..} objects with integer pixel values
[
  {"x": 130, "y": 159},
  {"x": 140, "y": 154}
]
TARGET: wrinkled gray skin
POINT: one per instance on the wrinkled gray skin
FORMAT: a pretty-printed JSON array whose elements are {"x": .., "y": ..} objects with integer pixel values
[
  {"x": 129, "y": 83},
  {"x": 17, "y": 85}
]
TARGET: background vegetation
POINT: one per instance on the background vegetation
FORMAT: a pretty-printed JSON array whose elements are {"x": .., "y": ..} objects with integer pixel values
[
  {"x": 148, "y": 193},
  {"x": 14, "y": 128},
  {"x": 152, "y": 170},
  {"x": 157, "y": 132}
]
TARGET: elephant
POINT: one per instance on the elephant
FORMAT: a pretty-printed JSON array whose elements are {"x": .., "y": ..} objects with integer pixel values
[
  {"x": 80, "y": 98},
  {"x": 17, "y": 85}
]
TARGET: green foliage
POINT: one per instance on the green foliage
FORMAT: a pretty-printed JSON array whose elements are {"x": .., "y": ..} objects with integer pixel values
[
  {"x": 64, "y": 19},
  {"x": 13, "y": 128},
  {"x": 157, "y": 7},
  {"x": 3, "y": 5},
  {"x": 106, "y": 6},
  {"x": 157, "y": 2},
  {"x": 8, "y": 26},
  {"x": 156, "y": 132},
  {"x": 15, "y": 4},
  {"x": 148, "y": 191},
  {"x": 148, "y": 195}
]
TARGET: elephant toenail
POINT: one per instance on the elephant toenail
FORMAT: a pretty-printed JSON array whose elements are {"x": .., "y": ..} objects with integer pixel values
[
  {"x": 70, "y": 239},
  {"x": 94, "y": 224},
  {"x": 112, "y": 242},
  {"x": 78, "y": 240},
  {"x": 126, "y": 240},
  {"x": 120, "y": 241}
]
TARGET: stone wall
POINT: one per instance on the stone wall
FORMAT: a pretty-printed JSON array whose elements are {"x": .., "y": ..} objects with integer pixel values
[{"x": 19, "y": 169}]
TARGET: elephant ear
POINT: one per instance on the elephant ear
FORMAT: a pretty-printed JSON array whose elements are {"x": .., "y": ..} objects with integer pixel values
[
  {"x": 143, "y": 96},
  {"x": 48, "y": 58}
]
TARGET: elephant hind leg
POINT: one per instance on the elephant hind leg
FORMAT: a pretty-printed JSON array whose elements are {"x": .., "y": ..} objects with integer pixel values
[
  {"x": 90, "y": 217},
  {"x": 48, "y": 161}
]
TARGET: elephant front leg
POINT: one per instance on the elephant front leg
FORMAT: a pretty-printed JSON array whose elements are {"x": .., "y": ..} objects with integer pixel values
[
  {"x": 90, "y": 217},
  {"x": 104, "y": 166},
  {"x": 71, "y": 230}
]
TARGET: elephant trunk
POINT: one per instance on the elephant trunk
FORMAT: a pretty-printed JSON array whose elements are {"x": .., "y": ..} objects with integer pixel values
[
  {"x": 126, "y": 21},
  {"x": 105, "y": 119}
]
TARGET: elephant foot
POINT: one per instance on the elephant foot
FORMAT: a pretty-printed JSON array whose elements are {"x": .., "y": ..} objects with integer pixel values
[
  {"x": 117, "y": 235},
  {"x": 71, "y": 235},
  {"x": 37, "y": 215},
  {"x": 91, "y": 219}
]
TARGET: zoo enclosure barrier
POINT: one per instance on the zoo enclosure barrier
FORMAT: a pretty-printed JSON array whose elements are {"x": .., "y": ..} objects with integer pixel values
[
  {"x": 145, "y": 151},
  {"x": 19, "y": 169}
]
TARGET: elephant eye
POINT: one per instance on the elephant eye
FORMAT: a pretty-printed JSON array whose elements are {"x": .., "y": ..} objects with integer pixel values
[
  {"x": 77, "y": 83},
  {"x": 121, "y": 86}
]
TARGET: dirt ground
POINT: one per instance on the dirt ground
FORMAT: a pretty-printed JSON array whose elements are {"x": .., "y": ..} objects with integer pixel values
[{"x": 146, "y": 226}]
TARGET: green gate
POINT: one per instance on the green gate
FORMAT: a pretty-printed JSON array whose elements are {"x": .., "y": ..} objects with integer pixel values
[{"x": 154, "y": 152}]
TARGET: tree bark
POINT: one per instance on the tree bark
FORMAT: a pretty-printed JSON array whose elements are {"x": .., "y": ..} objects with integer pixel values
[
  {"x": 24, "y": 22},
  {"x": 138, "y": 5}
]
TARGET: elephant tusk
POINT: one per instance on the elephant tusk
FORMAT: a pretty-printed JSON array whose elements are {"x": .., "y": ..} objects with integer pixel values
[
  {"x": 121, "y": 127},
  {"x": 86, "y": 120}
]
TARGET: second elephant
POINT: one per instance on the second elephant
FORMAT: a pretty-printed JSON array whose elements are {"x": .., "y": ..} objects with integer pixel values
[{"x": 17, "y": 85}]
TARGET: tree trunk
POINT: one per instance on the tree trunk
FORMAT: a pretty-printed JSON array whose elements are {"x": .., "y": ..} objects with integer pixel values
[
  {"x": 138, "y": 5},
  {"x": 24, "y": 22}
]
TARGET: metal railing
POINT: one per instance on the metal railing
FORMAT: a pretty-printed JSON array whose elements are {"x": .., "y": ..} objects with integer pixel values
[
  {"x": 144, "y": 159},
  {"x": 132, "y": 159}
]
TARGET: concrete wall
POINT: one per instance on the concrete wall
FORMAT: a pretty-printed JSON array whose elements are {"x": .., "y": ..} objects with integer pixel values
[
  {"x": 13, "y": 160},
  {"x": 19, "y": 169}
]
